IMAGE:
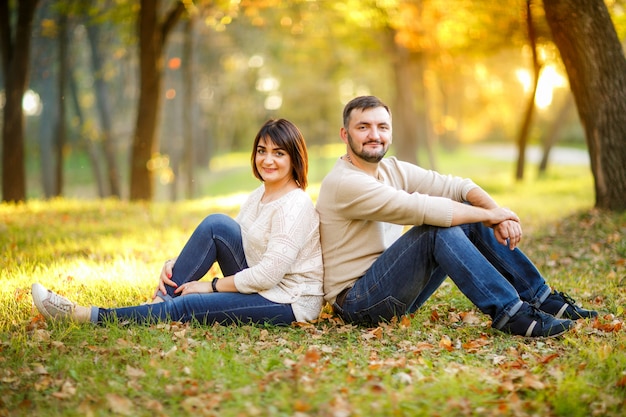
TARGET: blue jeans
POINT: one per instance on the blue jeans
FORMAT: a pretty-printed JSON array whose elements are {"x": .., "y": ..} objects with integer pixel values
[
  {"x": 495, "y": 278},
  {"x": 216, "y": 239}
]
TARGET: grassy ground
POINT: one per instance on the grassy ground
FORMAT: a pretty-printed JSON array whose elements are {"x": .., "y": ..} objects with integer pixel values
[{"x": 443, "y": 361}]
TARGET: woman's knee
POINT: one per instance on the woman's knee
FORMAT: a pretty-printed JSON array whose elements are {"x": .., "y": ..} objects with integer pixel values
[{"x": 216, "y": 221}]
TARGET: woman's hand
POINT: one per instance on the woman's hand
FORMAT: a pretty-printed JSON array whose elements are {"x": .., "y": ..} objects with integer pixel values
[
  {"x": 164, "y": 278},
  {"x": 194, "y": 287}
]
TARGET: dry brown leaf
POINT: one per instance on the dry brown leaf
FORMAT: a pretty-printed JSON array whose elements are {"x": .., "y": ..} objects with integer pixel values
[
  {"x": 68, "y": 390},
  {"x": 434, "y": 315},
  {"x": 446, "y": 343},
  {"x": 132, "y": 372},
  {"x": 376, "y": 333},
  {"x": 474, "y": 345},
  {"x": 193, "y": 404},
  {"x": 170, "y": 352},
  {"x": 507, "y": 385},
  {"x": 470, "y": 317},
  {"x": 532, "y": 382},
  {"x": 549, "y": 358},
  {"x": 614, "y": 325},
  {"x": 453, "y": 317},
  {"x": 312, "y": 355},
  {"x": 120, "y": 405},
  {"x": 301, "y": 406}
]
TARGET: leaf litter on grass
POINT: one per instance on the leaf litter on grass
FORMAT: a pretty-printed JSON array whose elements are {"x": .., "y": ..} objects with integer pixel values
[{"x": 443, "y": 360}]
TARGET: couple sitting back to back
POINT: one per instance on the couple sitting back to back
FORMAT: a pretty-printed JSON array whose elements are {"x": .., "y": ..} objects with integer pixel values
[{"x": 271, "y": 253}]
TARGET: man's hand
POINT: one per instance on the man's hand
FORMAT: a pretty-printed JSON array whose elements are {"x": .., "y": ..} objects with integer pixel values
[{"x": 508, "y": 233}]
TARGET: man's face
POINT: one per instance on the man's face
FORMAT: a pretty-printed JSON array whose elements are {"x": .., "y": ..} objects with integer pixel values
[{"x": 369, "y": 133}]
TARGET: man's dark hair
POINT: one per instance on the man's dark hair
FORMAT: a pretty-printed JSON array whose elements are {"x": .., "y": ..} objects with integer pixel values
[{"x": 361, "y": 103}]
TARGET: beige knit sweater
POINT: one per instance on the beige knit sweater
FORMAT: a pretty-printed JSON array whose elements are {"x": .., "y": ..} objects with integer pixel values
[
  {"x": 282, "y": 246},
  {"x": 361, "y": 216}
]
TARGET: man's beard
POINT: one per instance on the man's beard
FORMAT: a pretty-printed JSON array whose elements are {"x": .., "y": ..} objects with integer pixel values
[{"x": 368, "y": 157}]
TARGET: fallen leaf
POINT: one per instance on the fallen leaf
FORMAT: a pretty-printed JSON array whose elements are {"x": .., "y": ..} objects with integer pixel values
[
  {"x": 68, "y": 390},
  {"x": 474, "y": 345},
  {"x": 132, "y": 372},
  {"x": 470, "y": 317},
  {"x": 312, "y": 355},
  {"x": 301, "y": 406},
  {"x": 405, "y": 321},
  {"x": 422, "y": 346},
  {"x": 549, "y": 358},
  {"x": 446, "y": 343},
  {"x": 376, "y": 333},
  {"x": 532, "y": 382},
  {"x": 120, "y": 405}
]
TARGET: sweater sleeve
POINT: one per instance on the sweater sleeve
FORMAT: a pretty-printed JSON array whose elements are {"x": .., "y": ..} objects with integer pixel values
[
  {"x": 403, "y": 194},
  {"x": 272, "y": 249}
]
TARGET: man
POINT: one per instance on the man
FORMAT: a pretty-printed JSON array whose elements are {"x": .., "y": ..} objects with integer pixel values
[{"x": 374, "y": 271}]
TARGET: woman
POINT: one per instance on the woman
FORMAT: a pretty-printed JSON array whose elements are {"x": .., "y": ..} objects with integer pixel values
[{"x": 270, "y": 254}]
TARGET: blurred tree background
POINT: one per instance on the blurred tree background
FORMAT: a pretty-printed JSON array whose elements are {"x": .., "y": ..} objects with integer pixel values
[{"x": 145, "y": 97}]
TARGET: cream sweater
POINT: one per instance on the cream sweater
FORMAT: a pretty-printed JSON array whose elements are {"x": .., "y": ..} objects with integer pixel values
[
  {"x": 282, "y": 246},
  {"x": 361, "y": 216}
]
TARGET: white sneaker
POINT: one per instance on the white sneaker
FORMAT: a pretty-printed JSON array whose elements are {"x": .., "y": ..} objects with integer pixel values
[{"x": 50, "y": 304}]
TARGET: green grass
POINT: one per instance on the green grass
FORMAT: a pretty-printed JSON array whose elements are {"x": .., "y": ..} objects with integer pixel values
[{"x": 443, "y": 361}]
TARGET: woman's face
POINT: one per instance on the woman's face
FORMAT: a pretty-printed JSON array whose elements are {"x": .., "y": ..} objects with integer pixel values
[{"x": 272, "y": 162}]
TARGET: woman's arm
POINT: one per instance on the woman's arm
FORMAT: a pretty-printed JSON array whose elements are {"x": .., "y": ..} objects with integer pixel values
[{"x": 226, "y": 284}]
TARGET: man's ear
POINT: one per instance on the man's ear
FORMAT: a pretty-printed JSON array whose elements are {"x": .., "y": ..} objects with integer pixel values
[{"x": 344, "y": 135}]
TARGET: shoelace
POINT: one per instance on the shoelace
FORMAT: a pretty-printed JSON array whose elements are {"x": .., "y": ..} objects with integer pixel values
[
  {"x": 59, "y": 303},
  {"x": 567, "y": 298}
]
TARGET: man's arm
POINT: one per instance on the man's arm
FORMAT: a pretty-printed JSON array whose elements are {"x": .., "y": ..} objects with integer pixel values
[{"x": 483, "y": 208}]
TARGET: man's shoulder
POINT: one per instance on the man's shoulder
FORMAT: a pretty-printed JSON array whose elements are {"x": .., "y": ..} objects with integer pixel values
[
  {"x": 392, "y": 163},
  {"x": 335, "y": 173}
]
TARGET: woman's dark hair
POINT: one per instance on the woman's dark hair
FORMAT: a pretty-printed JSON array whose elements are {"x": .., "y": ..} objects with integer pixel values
[
  {"x": 287, "y": 136},
  {"x": 361, "y": 103}
]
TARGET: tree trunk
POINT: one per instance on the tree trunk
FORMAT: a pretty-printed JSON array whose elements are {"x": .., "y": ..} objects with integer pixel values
[
  {"x": 522, "y": 139},
  {"x": 585, "y": 36},
  {"x": 15, "y": 65},
  {"x": 61, "y": 125},
  {"x": 152, "y": 38},
  {"x": 405, "y": 132},
  {"x": 188, "y": 106},
  {"x": 553, "y": 134},
  {"x": 104, "y": 110},
  {"x": 44, "y": 81},
  {"x": 422, "y": 125},
  {"x": 90, "y": 145}
]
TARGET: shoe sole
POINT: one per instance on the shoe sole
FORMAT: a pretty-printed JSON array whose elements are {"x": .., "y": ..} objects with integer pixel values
[{"x": 39, "y": 303}]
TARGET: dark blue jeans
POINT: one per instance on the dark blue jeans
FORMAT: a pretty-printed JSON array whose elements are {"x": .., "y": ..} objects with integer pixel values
[
  {"x": 217, "y": 238},
  {"x": 495, "y": 278}
]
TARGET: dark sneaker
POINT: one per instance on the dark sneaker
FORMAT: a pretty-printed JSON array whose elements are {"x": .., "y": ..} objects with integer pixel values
[
  {"x": 531, "y": 322},
  {"x": 560, "y": 305}
]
